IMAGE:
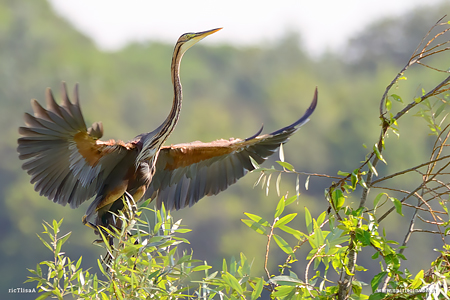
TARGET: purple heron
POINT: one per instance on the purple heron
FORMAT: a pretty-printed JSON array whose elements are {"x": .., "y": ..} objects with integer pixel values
[{"x": 68, "y": 163}]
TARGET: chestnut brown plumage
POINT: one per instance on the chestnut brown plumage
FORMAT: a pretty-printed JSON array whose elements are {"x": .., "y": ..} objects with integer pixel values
[{"x": 68, "y": 163}]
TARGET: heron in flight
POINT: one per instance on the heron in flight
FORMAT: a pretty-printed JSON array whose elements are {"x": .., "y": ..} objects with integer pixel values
[{"x": 69, "y": 164}]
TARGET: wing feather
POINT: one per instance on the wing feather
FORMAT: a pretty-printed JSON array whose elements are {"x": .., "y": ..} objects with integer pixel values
[
  {"x": 66, "y": 161},
  {"x": 185, "y": 173}
]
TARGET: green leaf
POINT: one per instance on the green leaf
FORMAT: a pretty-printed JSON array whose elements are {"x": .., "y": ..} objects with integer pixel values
[
  {"x": 377, "y": 296},
  {"x": 338, "y": 198},
  {"x": 55, "y": 226},
  {"x": 388, "y": 104},
  {"x": 286, "y": 165},
  {"x": 360, "y": 268},
  {"x": 280, "y": 207},
  {"x": 285, "y": 280},
  {"x": 117, "y": 290},
  {"x": 378, "y": 154},
  {"x": 397, "y": 204},
  {"x": 61, "y": 241},
  {"x": 224, "y": 266},
  {"x": 283, "y": 244},
  {"x": 321, "y": 217},
  {"x": 376, "y": 280},
  {"x": 340, "y": 173},
  {"x": 318, "y": 233},
  {"x": 397, "y": 98},
  {"x": 233, "y": 282},
  {"x": 257, "y": 219},
  {"x": 357, "y": 287},
  {"x": 372, "y": 168},
  {"x": 233, "y": 266},
  {"x": 417, "y": 280},
  {"x": 257, "y": 290},
  {"x": 44, "y": 242},
  {"x": 255, "y": 226},
  {"x": 201, "y": 268},
  {"x": 308, "y": 220},
  {"x": 290, "y": 200},
  {"x": 283, "y": 292},
  {"x": 296, "y": 233},
  {"x": 354, "y": 178},
  {"x": 377, "y": 199},
  {"x": 78, "y": 263},
  {"x": 284, "y": 220}
]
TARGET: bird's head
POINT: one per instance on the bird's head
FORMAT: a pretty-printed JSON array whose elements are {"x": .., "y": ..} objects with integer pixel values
[{"x": 189, "y": 39}]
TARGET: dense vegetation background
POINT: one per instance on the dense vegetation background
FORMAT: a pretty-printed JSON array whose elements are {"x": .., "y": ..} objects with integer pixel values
[{"x": 228, "y": 92}]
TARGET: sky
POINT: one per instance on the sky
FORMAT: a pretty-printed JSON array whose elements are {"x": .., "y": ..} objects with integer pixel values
[{"x": 323, "y": 24}]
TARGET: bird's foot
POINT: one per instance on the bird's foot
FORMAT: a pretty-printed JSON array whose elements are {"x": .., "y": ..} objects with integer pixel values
[{"x": 87, "y": 223}]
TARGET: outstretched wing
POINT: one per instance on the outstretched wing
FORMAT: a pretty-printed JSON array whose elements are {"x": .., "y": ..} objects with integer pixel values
[
  {"x": 185, "y": 173},
  {"x": 66, "y": 161}
]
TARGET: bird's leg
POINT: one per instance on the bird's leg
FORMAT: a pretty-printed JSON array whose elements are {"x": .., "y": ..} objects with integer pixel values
[{"x": 88, "y": 224}]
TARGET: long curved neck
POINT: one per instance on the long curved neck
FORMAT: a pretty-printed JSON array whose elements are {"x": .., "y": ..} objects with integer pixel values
[
  {"x": 172, "y": 119},
  {"x": 153, "y": 141}
]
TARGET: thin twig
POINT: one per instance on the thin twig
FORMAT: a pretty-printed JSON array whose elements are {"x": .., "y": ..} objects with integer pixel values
[{"x": 311, "y": 260}]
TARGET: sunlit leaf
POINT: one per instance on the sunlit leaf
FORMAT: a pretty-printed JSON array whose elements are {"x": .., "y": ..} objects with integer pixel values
[
  {"x": 284, "y": 220},
  {"x": 397, "y": 204},
  {"x": 286, "y": 165},
  {"x": 378, "y": 154},
  {"x": 283, "y": 244},
  {"x": 285, "y": 280},
  {"x": 290, "y": 200},
  {"x": 388, "y": 104},
  {"x": 308, "y": 220},
  {"x": 417, "y": 280},
  {"x": 257, "y": 289},
  {"x": 201, "y": 268},
  {"x": 378, "y": 198},
  {"x": 258, "y": 219},
  {"x": 397, "y": 98},
  {"x": 233, "y": 282},
  {"x": 372, "y": 168},
  {"x": 338, "y": 198},
  {"x": 376, "y": 280},
  {"x": 255, "y": 226},
  {"x": 280, "y": 207},
  {"x": 340, "y": 173}
]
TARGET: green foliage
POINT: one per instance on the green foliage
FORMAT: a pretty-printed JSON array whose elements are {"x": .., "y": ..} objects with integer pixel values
[
  {"x": 145, "y": 263},
  {"x": 129, "y": 90}
]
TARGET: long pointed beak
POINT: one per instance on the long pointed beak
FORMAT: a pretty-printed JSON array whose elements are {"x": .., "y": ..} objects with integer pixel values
[
  {"x": 201, "y": 35},
  {"x": 204, "y": 34}
]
